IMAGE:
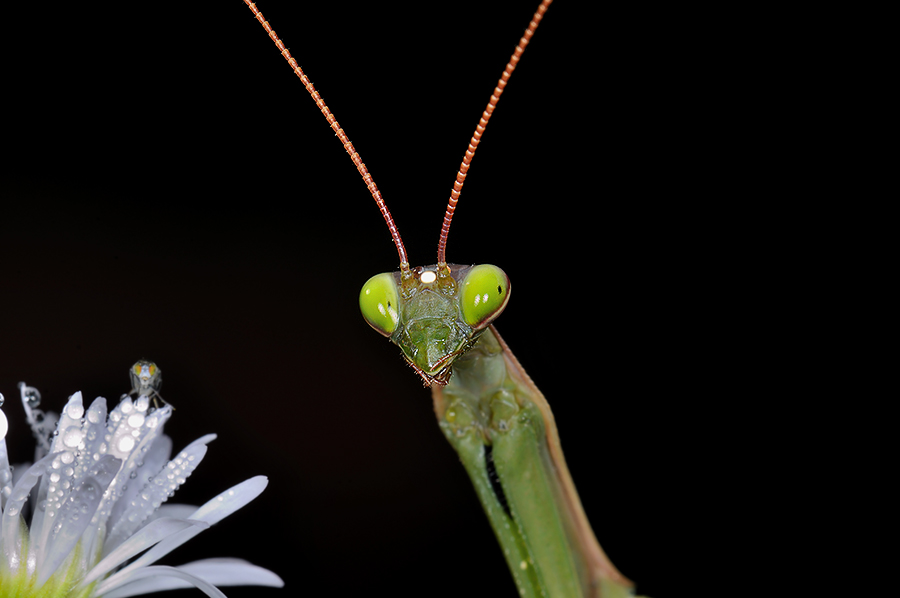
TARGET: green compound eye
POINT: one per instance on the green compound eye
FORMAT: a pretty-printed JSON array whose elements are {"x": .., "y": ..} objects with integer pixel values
[
  {"x": 379, "y": 302},
  {"x": 485, "y": 291}
]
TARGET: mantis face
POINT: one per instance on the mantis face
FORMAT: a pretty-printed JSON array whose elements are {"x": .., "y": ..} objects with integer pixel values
[{"x": 434, "y": 314}]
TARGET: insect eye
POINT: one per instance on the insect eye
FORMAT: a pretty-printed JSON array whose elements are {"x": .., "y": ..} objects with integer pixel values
[
  {"x": 379, "y": 302},
  {"x": 485, "y": 291},
  {"x": 137, "y": 368},
  {"x": 152, "y": 369}
]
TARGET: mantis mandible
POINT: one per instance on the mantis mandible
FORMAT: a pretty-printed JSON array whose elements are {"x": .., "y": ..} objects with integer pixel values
[{"x": 487, "y": 407}]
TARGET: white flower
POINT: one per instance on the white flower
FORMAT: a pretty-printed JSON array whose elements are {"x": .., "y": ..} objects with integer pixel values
[{"x": 96, "y": 494}]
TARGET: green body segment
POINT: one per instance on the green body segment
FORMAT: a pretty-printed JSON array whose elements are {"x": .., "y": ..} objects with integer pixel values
[{"x": 491, "y": 411}]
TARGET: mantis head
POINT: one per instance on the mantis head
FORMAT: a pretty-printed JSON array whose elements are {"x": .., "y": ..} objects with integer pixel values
[{"x": 434, "y": 314}]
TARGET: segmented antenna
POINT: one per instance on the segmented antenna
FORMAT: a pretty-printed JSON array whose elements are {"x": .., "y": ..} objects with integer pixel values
[
  {"x": 367, "y": 178},
  {"x": 479, "y": 130}
]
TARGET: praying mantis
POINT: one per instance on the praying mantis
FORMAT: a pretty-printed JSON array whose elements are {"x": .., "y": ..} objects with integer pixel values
[
  {"x": 145, "y": 255},
  {"x": 487, "y": 406}
]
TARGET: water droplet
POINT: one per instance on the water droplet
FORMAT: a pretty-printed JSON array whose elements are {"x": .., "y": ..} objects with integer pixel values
[
  {"x": 125, "y": 444},
  {"x": 142, "y": 403},
  {"x": 136, "y": 420},
  {"x": 75, "y": 410},
  {"x": 31, "y": 395},
  {"x": 72, "y": 437}
]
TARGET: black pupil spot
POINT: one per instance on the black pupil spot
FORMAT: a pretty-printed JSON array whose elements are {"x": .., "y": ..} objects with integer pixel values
[{"x": 499, "y": 290}]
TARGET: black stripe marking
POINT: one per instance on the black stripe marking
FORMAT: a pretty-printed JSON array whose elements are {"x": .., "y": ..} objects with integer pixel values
[{"x": 495, "y": 480}]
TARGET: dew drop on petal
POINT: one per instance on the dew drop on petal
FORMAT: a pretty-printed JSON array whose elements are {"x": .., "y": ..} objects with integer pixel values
[
  {"x": 75, "y": 410},
  {"x": 125, "y": 444},
  {"x": 72, "y": 436},
  {"x": 136, "y": 420}
]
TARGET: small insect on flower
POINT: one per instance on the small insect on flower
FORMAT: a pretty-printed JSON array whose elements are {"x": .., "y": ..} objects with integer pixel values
[
  {"x": 90, "y": 517},
  {"x": 146, "y": 380}
]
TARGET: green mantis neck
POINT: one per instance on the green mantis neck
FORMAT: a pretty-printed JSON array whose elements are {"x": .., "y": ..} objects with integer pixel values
[{"x": 503, "y": 430}]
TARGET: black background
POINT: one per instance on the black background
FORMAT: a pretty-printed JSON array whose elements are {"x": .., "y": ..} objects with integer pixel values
[{"x": 175, "y": 195}]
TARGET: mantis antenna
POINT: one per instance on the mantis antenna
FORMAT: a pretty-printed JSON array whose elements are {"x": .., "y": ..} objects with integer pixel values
[
  {"x": 367, "y": 178},
  {"x": 479, "y": 130}
]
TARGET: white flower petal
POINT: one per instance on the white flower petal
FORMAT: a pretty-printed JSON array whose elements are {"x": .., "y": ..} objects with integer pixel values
[
  {"x": 176, "y": 511},
  {"x": 165, "y": 482},
  {"x": 219, "y": 572},
  {"x": 73, "y": 517},
  {"x": 154, "y": 460},
  {"x": 12, "y": 515},
  {"x": 232, "y": 572},
  {"x": 151, "y": 534},
  {"x": 154, "y": 580},
  {"x": 212, "y": 512},
  {"x": 64, "y": 441},
  {"x": 5, "y": 470},
  {"x": 95, "y": 426},
  {"x": 231, "y": 500}
]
